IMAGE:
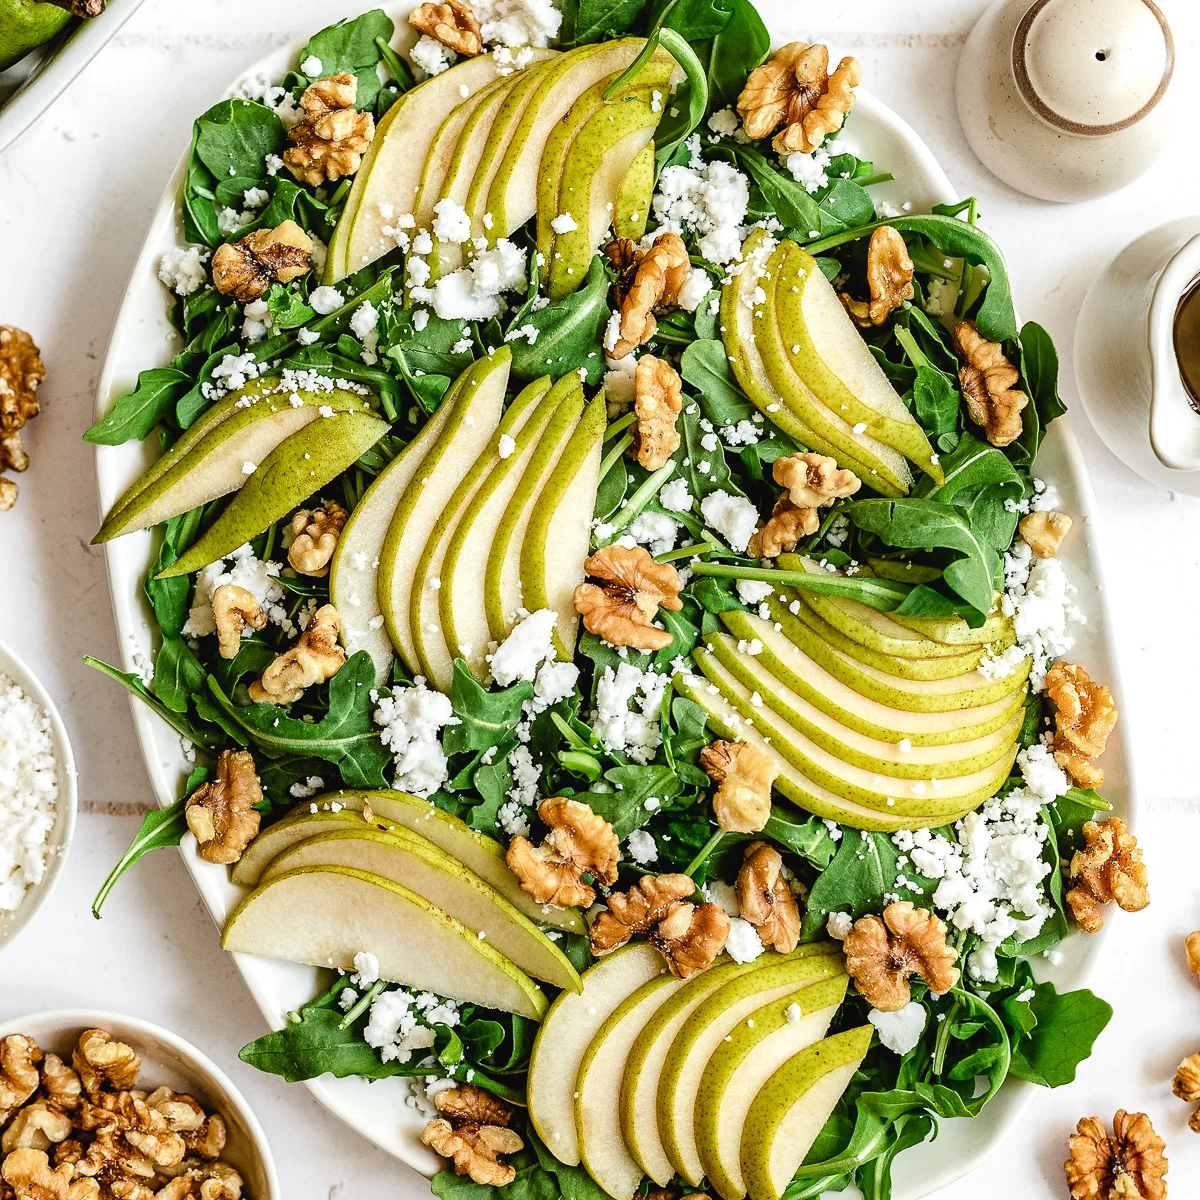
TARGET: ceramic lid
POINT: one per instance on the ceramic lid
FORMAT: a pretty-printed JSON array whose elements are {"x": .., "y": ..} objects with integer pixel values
[{"x": 1093, "y": 67}]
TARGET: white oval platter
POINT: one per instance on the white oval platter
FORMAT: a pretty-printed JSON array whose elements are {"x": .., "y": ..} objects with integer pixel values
[{"x": 143, "y": 337}]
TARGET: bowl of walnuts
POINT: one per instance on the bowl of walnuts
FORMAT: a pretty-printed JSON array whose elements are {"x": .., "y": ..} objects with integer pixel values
[{"x": 95, "y": 1104}]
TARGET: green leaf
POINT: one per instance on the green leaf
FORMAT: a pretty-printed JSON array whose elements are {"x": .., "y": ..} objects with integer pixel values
[
  {"x": 673, "y": 131},
  {"x": 792, "y": 204},
  {"x": 624, "y": 808},
  {"x": 1066, "y": 1028},
  {"x": 233, "y": 139},
  {"x": 705, "y": 367},
  {"x": 1039, "y": 367},
  {"x": 599, "y": 20},
  {"x": 350, "y": 45},
  {"x": 137, "y": 412},
  {"x": 178, "y": 674},
  {"x": 736, "y": 50},
  {"x": 486, "y": 718},
  {"x": 970, "y": 463},
  {"x": 809, "y": 838},
  {"x": 169, "y": 597},
  {"x": 936, "y": 401}
]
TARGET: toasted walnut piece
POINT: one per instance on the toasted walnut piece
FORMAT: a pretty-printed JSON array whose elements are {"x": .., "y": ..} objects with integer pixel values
[
  {"x": 1044, "y": 532},
  {"x": 691, "y": 937},
  {"x": 578, "y": 842},
  {"x": 452, "y": 23},
  {"x": 203, "y": 1181},
  {"x": 883, "y": 952},
  {"x": 743, "y": 774},
  {"x": 658, "y": 401},
  {"x": 29, "y": 1174},
  {"x": 68, "y": 1151},
  {"x": 8, "y": 494},
  {"x": 12, "y": 453},
  {"x": 234, "y": 609},
  {"x": 147, "y": 1132},
  {"x": 316, "y": 657},
  {"x": 19, "y": 1058},
  {"x": 1191, "y": 945},
  {"x": 60, "y": 1084},
  {"x": 783, "y": 530},
  {"x": 315, "y": 537},
  {"x": 766, "y": 900},
  {"x": 649, "y": 279},
  {"x": 81, "y": 8},
  {"x": 988, "y": 381},
  {"x": 245, "y": 269},
  {"x": 621, "y": 608},
  {"x": 624, "y": 255},
  {"x": 21, "y": 370},
  {"x": 1084, "y": 715},
  {"x": 221, "y": 812},
  {"x": 468, "y": 1104},
  {"x": 37, "y": 1126},
  {"x": 649, "y": 902},
  {"x": 1109, "y": 867},
  {"x": 1186, "y": 1084},
  {"x": 117, "y": 1167},
  {"x": 185, "y": 1115},
  {"x": 475, "y": 1149},
  {"x": 814, "y": 480},
  {"x": 889, "y": 279},
  {"x": 330, "y": 140},
  {"x": 1129, "y": 1164}
]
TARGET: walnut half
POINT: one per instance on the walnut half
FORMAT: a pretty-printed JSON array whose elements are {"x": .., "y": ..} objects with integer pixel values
[
  {"x": 316, "y": 657},
  {"x": 1084, "y": 716},
  {"x": 579, "y": 842},
  {"x": 649, "y": 279},
  {"x": 19, "y": 1058},
  {"x": 988, "y": 381},
  {"x": 245, "y": 269},
  {"x": 474, "y": 1133},
  {"x": 883, "y": 952},
  {"x": 766, "y": 900},
  {"x": 638, "y": 910},
  {"x": 315, "y": 537},
  {"x": 621, "y": 608},
  {"x": 452, "y": 23},
  {"x": 221, "y": 813},
  {"x": 889, "y": 279},
  {"x": 1125, "y": 1166},
  {"x": 658, "y": 401},
  {"x": 1108, "y": 868},
  {"x": 744, "y": 775},
  {"x": 330, "y": 140}
]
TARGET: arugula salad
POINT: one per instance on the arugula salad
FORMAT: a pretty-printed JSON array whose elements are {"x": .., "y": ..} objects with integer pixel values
[{"x": 605, "y": 589}]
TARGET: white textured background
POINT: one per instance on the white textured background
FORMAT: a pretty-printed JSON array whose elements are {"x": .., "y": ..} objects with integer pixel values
[{"x": 75, "y": 197}]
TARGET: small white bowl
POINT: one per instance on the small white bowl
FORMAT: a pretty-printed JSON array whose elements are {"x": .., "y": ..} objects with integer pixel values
[
  {"x": 64, "y": 821},
  {"x": 167, "y": 1060}
]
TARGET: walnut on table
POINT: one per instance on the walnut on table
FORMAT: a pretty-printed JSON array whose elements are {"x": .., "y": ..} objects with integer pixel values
[
  {"x": 658, "y": 401},
  {"x": 473, "y": 1132},
  {"x": 579, "y": 842},
  {"x": 744, "y": 775},
  {"x": 1043, "y": 532},
  {"x": 330, "y": 140},
  {"x": 988, "y": 381},
  {"x": 315, "y": 658},
  {"x": 766, "y": 899},
  {"x": 1124, "y": 1166},
  {"x": 648, "y": 279},
  {"x": 883, "y": 952},
  {"x": 21, "y": 371},
  {"x": 452, "y": 23},
  {"x": 621, "y": 608},
  {"x": 247, "y": 268},
  {"x": 1191, "y": 946},
  {"x": 889, "y": 279},
  {"x": 221, "y": 813},
  {"x": 1108, "y": 868},
  {"x": 314, "y": 538},
  {"x": 1084, "y": 715}
]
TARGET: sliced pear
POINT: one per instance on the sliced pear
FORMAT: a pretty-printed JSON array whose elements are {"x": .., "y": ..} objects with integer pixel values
[
  {"x": 636, "y": 195},
  {"x": 502, "y": 595},
  {"x": 477, "y": 413},
  {"x": 513, "y": 195},
  {"x": 740, "y": 1067},
  {"x": 412, "y": 860},
  {"x": 434, "y": 658},
  {"x": 560, "y": 528},
  {"x": 324, "y": 916},
  {"x": 221, "y": 455},
  {"x": 598, "y": 1088},
  {"x": 711, "y": 1022},
  {"x": 567, "y": 1031},
  {"x": 745, "y": 357},
  {"x": 787, "y": 662},
  {"x": 299, "y": 467},
  {"x": 391, "y": 810},
  {"x": 829, "y": 355},
  {"x": 871, "y": 754},
  {"x": 792, "y": 1107},
  {"x": 461, "y": 610},
  {"x": 390, "y": 174},
  {"x": 952, "y": 631}
]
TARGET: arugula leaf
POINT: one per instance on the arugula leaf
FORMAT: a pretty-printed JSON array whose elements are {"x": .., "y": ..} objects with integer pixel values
[
  {"x": 137, "y": 412},
  {"x": 742, "y": 45},
  {"x": 792, "y": 204},
  {"x": 599, "y": 20},
  {"x": 705, "y": 366},
  {"x": 624, "y": 808},
  {"x": 1064, "y": 1030},
  {"x": 351, "y": 45},
  {"x": 486, "y": 718},
  {"x": 233, "y": 139},
  {"x": 1039, "y": 367},
  {"x": 674, "y": 130},
  {"x": 178, "y": 674},
  {"x": 169, "y": 597},
  {"x": 969, "y": 464}
]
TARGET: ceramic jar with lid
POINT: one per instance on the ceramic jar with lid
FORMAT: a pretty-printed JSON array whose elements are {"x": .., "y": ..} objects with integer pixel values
[{"x": 1067, "y": 99}]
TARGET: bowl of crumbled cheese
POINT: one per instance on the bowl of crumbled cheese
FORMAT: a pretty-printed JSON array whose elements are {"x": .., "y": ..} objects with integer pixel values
[{"x": 37, "y": 795}]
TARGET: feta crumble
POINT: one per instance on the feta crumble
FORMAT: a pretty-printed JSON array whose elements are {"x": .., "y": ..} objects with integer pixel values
[
  {"x": 183, "y": 270},
  {"x": 900, "y": 1031},
  {"x": 411, "y": 720},
  {"x": 744, "y": 945},
  {"x": 430, "y": 57},
  {"x": 633, "y": 730},
  {"x": 733, "y": 517}
]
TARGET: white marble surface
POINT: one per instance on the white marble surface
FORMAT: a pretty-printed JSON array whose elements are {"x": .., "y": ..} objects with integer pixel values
[{"x": 75, "y": 196}]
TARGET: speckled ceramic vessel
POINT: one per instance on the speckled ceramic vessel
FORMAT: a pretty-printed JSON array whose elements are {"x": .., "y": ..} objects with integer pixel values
[{"x": 1067, "y": 99}]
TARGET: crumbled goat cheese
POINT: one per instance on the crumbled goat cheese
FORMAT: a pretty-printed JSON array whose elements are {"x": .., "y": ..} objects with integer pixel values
[
  {"x": 634, "y": 731},
  {"x": 241, "y": 568},
  {"x": 1037, "y": 597},
  {"x": 256, "y": 321},
  {"x": 28, "y": 793},
  {"x": 808, "y": 170},
  {"x": 473, "y": 293},
  {"x": 451, "y": 222},
  {"x": 410, "y": 721},
  {"x": 724, "y": 896},
  {"x": 310, "y": 787},
  {"x": 255, "y": 197},
  {"x": 366, "y": 969},
  {"x": 654, "y": 530},
  {"x": 364, "y": 324},
  {"x": 676, "y": 497},
  {"x": 940, "y": 296},
  {"x": 707, "y": 199},
  {"x": 697, "y": 285},
  {"x": 564, "y": 223},
  {"x": 394, "y": 1028},
  {"x": 744, "y": 433},
  {"x": 183, "y": 270},
  {"x": 260, "y": 88},
  {"x": 839, "y": 925},
  {"x": 641, "y": 847},
  {"x": 744, "y": 945},
  {"x": 232, "y": 220},
  {"x": 900, "y": 1031},
  {"x": 505, "y": 446},
  {"x": 733, "y": 517},
  {"x": 724, "y": 122},
  {"x": 430, "y": 57},
  {"x": 528, "y": 646},
  {"x": 518, "y": 23},
  {"x": 620, "y": 380},
  {"x": 325, "y": 300},
  {"x": 312, "y": 67},
  {"x": 753, "y": 591}
]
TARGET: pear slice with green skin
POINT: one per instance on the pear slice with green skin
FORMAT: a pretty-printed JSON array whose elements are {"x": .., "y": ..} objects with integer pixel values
[
  {"x": 725, "y": 722},
  {"x": 902, "y": 571},
  {"x": 299, "y": 467},
  {"x": 567, "y": 1031},
  {"x": 461, "y": 610},
  {"x": 415, "y": 862},
  {"x": 833, "y": 424},
  {"x": 324, "y": 916},
  {"x": 830, "y": 357},
  {"x": 392, "y": 810},
  {"x": 792, "y": 1107},
  {"x": 737, "y": 333},
  {"x": 513, "y": 196},
  {"x": 921, "y": 798},
  {"x": 390, "y": 174},
  {"x": 354, "y": 569},
  {"x": 715, "y": 1018},
  {"x": 590, "y": 184},
  {"x": 919, "y": 695},
  {"x": 741, "y": 1065},
  {"x": 434, "y": 659},
  {"x": 871, "y": 754},
  {"x": 559, "y": 533},
  {"x": 783, "y": 660},
  {"x": 636, "y": 196},
  {"x": 477, "y": 413},
  {"x": 213, "y": 464},
  {"x": 643, "y": 1069},
  {"x": 606, "y": 1158},
  {"x": 953, "y": 631},
  {"x": 502, "y": 596}
]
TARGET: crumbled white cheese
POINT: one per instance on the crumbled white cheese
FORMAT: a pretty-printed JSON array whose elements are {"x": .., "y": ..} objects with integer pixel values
[
  {"x": 743, "y": 945},
  {"x": 620, "y": 380},
  {"x": 232, "y": 220},
  {"x": 431, "y": 57},
  {"x": 528, "y": 646},
  {"x": 255, "y": 197},
  {"x": 310, "y": 787},
  {"x": 505, "y": 446},
  {"x": 634, "y": 731},
  {"x": 242, "y": 569},
  {"x": 676, "y": 497},
  {"x": 641, "y": 847},
  {"x": 183, "y": 270},
  {"x": 707, "y": 199},
  {"x": 724, "y": 896},
  {"x": 724, "y": 122},
  {"x": 564, "y": 223},
  {"x": 411, "y": 719},
  {"x": 366, "y": 969},
  {"x": 809, "y": 170},
  {"x": 28, "y": 793},
  {"x": 364, "y": 324},
  {"x": 1037, "y": 597},
  {"x": 394, "y": 1028},
  {"x": 900, "y": 1031},
  {"x": 839, "y": 925},
  {"x": 312, "y": 67},
  {"x": 753, "y": 591},
  {"x": 256, "y": 321},
  {"x": 733, "y": 517},
  {"x": 473, "y": 293},
  {"x": 518, "y": 23},
  {"x": 697, "y": 285},
  {"x": 325, "y": 300},
  {"x": 451, "y": 222},
  {"x": 654, "y": 530}
]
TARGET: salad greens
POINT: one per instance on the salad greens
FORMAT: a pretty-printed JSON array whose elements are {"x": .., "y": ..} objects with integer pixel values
[{"x": 949, "y": 541}]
